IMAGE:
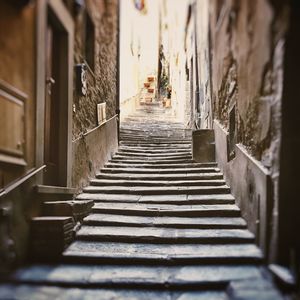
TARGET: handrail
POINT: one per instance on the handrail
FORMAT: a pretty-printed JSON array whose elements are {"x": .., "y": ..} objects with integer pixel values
[
  {"x": 13, "y": 185},
  {"x": 82, "y": 135}
]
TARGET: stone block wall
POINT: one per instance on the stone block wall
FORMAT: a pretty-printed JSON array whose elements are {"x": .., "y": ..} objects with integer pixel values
[
  {"x": 102, "y": 76},
  {"x": 247, "y": 52},
  {"x": 90, "y": 153}
]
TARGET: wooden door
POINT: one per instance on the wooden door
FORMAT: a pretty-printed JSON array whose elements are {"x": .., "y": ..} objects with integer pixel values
[{"x": 52, "y": 102}]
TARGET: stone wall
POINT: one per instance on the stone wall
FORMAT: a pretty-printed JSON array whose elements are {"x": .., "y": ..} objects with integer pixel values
[
  {"x": 247, "y": 48},
  {"x": 102, "y": 76},
  {"x": 247, "y": 54},
  {"x": 101, "y": 87}
]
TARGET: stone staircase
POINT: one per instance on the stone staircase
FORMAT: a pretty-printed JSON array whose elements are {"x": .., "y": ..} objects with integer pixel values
[{"x": 162, "y": 226}]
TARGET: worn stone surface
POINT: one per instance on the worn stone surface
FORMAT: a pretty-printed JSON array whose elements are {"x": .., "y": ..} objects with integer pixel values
[
  {"x": 223, "y": 189},
  {"x": 172, "y": 222},
  {"x": 160, "y": 199},
  {"x": 29, "y": 292},
  {"x": 159, "y": 171},
  {"x": 108, "y": 182},
  {"x": 183, "y": 176},
  {"x": 168, "y": 210},
  {"x": 164, "y": 235},
  {"x": 108, "y": 275},
  {"x": 131, "y": 253}
]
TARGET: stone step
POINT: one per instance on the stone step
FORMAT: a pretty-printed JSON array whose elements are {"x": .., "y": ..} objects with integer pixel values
[
  {"x": 152, "y": 161},
  {"x": 156, "y": 146},
  {"x": 165, "y": 222},
  {"x": 158, "y": 183},
  {"x": 204, "y": 190},
  {"x": 160, "y": 171},
  {"x": 160, "y": 199},
  {"x": 211, "y": 276},
  {"x": 161, "y": 128},
  {"x": 11, "y": 291},
  {"x": 162, "y": 254},
  {"x": 194, "y": 210},
  {"x": 153, "y": 151},
  {"x": 163, "y": 133},
  {"x": 164, "y": 235},
  {"x": 140, "y": 138},
  {"x": 165, "y": 143},
  {"x": 152, "y": 157},
  {"x": 246, "y": 289},
  {"x": 113, "y": 164},
  {"x": 169, "y": 177},
  {"x": 186, "y": 154}
]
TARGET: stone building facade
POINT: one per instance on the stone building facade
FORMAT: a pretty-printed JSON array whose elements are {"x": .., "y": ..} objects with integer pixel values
[
  {"x": 250, "y": 78},
  {"x": 58, "y": 61},
  {"x": 139, "y": 37},
  {"x": 232, "y": 67}
]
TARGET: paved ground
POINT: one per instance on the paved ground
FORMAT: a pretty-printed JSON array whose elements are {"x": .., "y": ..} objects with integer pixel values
[{"x": 162, "y": 227}]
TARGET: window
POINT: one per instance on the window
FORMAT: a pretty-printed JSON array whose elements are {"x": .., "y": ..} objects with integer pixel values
[
  {"x": 232, "y": 133},
  {"x": 89, "y": 42}
]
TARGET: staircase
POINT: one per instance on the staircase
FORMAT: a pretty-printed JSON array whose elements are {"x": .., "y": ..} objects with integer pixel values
[{"x": 162, "y": 227}]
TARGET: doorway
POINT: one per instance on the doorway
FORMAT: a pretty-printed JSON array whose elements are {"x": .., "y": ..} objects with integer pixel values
[
  {"x": 289, "y": 204},
  {"x": 54, "y": 92},
  {"x": 52, "y": 102}
]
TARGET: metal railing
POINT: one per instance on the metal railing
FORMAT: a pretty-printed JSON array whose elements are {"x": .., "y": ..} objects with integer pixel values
[{"x": 14, "y": 184}]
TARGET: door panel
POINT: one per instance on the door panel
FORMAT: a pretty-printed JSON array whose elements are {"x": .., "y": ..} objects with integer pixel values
[{"x": 52, "y": 102}]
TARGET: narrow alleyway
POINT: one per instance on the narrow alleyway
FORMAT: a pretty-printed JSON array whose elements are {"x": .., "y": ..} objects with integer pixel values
[{"x": 162, "y": 226}]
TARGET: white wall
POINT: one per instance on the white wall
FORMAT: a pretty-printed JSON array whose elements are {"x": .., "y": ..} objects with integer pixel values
[
  {"x": 174, "y": 15},
  {"x": 138, "y": 46},
  {"x": 202, "y": 17}
]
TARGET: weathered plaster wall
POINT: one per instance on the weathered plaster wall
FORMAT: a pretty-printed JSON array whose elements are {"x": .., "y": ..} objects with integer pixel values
[
  {"x": 89, "y": 154},
  {"x": 247, "y": 64}
]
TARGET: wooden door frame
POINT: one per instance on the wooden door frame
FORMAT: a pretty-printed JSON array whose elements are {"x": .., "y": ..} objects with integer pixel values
[{"x": 65, "y": 22}]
